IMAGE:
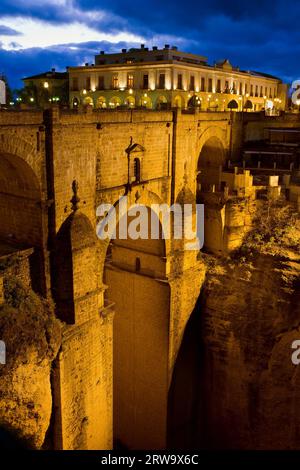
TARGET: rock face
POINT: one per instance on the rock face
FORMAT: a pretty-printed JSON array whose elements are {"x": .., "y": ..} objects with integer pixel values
[
  {"x": 32, "y": 337},
  {"x": 249, "y": 389}
]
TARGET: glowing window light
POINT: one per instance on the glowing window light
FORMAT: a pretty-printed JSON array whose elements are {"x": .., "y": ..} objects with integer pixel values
[
  {"x": 46, "y": 85},
  {"x": 84, "y": 92}
]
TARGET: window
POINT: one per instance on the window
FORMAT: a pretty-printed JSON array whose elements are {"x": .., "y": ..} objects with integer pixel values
[
  {"x": 130, "y": 80},
  {"x": 179, "y": 81},
  {"x": 115, "y": 82},
  {"x": 266, "y": 91},
  {"x": 234, "y": 88},
  {"x": 88, "y": 83},
  {"x": 137, "y": 170},
  {"x": 270, "y": 92},
  {"x": 251, "y": 90},
  {"x": 218, "y": 89},
  {"x": 137, "y": 264},
  {"x": 101, "y": 82},
  {"x": 192, "y": 83},
  {"x": 256, "y": 90},
  {"x": 241, "y": 89},
  {"x": 202, "y": 84},
  {"x": 261, "y": 91},
  {"x": 246, "y": 88},
  {"x": 162, "y": 80},
  {"x": 75, "y": 84},
  {"x": 210, "y": 84},
  {"x": 226, "y": 87},
  {"x": 146, "y": 82}
]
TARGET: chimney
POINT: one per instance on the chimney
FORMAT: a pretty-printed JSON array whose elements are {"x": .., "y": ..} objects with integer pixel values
[
  {"x": 86, "y": 64},
  {"x": 52, "y": 70},
  {"x": 175, "y": 48},
  {"x": 124, "y": 50},
  {"x": 167, "y": 46},
  {"x": 154, "y": 48},
  {"x": 142, "y": 46},
  {"x": 102, "y": 52}
]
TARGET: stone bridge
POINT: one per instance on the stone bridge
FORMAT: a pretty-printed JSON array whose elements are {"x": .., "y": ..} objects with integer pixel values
[{"x": 123, "y": 305}]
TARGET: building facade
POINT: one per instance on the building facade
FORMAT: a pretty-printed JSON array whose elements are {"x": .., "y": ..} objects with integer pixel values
[
  {"x": 166, "y": 78},
  {"x": 45, "y": 89}
]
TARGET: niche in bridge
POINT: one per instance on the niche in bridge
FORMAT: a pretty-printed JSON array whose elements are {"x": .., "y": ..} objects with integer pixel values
[
  {"x": 135, "y": 273},
  {"x": 211, "y": 158}
]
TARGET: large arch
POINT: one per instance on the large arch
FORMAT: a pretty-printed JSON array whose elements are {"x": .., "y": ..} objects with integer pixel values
[
  {"x": 21, "y": 213},
  {"x": 20, "y": 202},
  {"x": 136, "y": 282},
  {"x": 212, "y": 156}
]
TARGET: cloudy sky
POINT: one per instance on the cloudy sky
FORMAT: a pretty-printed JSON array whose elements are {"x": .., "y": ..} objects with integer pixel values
[{"x": 36, "y": 35}]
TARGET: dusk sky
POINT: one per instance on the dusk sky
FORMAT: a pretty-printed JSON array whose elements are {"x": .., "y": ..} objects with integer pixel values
[{"x": 36, "y": 35}]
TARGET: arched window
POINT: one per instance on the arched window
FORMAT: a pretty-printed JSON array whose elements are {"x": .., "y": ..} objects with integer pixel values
[{"x": 137, "y": 170}]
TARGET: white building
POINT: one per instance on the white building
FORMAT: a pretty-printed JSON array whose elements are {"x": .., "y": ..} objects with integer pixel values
[{"x": 171, "y": 78}]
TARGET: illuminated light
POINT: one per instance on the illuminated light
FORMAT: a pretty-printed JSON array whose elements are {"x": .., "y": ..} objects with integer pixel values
[
  {"x": 298, "y": 102},
  {"x": 145, "y": 95},
  {"x": 50, "y": 100},
  {"x": 240, "y": 97},
  {"x": 11, "y": 103},
  {"x": 93, "y": 89},
  {"x": 209, "y": 96},
  {"x": 84, "y": 92},
  {"x": 265, "y": 97},
  {"x": 32, "y": 100},
  {"x": 122, "y": 89},
  {"x": 217, "y": 99},
  {"x": 247, "y": 95},
  {"x": 145, "y": 102},
  {"x": 130, "y": 91},
  {"x": 189, "y": 95},
  {"x": 46, "y": 85}
]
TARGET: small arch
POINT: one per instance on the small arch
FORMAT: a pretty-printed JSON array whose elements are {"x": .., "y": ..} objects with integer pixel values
[
  {"x": 161, "y": 102},
  {"x": 88, "y": 101},
  {"x": 146, "y": 102},
  {"x": 248, "y": 105},
  {"x": 233, "y": 105},
  {"x": 194, "y": 101},
  {"x": 101, "y": 102},
  {"x": 130, "y": 101},
  {"x": 75, "y": 103},
  {"x": 178, "y": 102},
  {"x": 114, "y": 102}
]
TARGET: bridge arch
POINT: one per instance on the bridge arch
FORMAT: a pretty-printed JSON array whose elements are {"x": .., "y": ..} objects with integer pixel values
[
  {"x": 211, "y": 156},
  {"x": 135, "y": 281}
]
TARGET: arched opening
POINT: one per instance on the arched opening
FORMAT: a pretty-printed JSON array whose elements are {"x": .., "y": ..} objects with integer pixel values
[
  {"x": 130, "y": 101},
  {"x": 211, "y": 158},
  {"x": 136, "y": 282},
  {"x": 75, "y": 103},
  {"x": 146, "y": 102},
  {"x": 194, "y": 102},
  {"x": 137, "y": 170},
  {"x": 162, "y": 102},
  {"x": 178, "y": 102},
  {"x": 114, "y": 102},
  {"x": 21, "y": 212},
  {"x": 88, "y": 101},
  {"x": 248, "y": 105},
  {"x": 101, "y": 102},
  {"x": 233, "y": 105}
]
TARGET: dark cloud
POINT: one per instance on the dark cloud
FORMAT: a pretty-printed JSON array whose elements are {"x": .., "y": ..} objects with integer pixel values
[
  {"x": 6, "y": 31},
  {"x": 259, "y": 35}
]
